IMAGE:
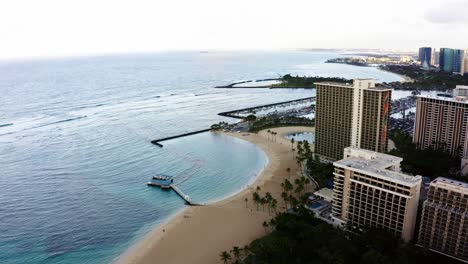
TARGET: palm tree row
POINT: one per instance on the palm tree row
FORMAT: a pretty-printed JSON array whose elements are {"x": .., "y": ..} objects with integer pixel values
[
  {"x": 235, "y": 255},
  {"x": 265, "y": 200},
  {"x": 273, "y": 134}
]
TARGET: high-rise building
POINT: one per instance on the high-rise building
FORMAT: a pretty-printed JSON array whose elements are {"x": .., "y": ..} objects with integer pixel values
[
  {"x": 436, "y": 57},
  {"x": 426, "y": 56},
  {"x": 441, "y": 122},
  {"x": 354, "y": 115},
  {"x": 369, "y": 191},
  {"x": 446, "y": 60},
  {"x": 466, "y": 64},
  {"x": 444, "y": 221},
  {"x": 458, "y": 66}
]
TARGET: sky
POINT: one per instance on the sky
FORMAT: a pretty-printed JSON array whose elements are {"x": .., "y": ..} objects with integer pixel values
[{"x": 56, "y": 28}]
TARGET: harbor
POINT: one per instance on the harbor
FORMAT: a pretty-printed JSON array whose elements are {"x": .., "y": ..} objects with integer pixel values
[{"x": 240, "y": 113}]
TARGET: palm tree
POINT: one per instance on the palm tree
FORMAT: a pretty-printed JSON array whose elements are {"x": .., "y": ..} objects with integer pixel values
[
  {"x": 292, "y": 144},
  {"x": 299, "y": 185},
  {"x": 256, "y": 199},
  {"x": 274, "y": 203},
  {"x": 289, "y": 171},
  {"x": 246, "y": 250},
  {"x": 268, "y": 198},
  {"x": 225, "y": 256},
  {"x": 265, "y": 225},
  {"x": 258, "y": 188},
  {"x": 246, "y": 200},
  {"x": 306, "y": 182},
  {"x": 287, "y": 185},
  {"x": 285, "y": 197},
  {"x": 263, "y": 201},
  {"x": 236, "y": 251},
  {"x": 269, "y": 132}
]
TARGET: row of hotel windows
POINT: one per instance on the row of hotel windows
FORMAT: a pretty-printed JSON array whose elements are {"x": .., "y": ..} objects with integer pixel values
[
  {"x": 396, "y": 231},
  {"x": 443, "y": 102},
  {"x": 377, "y": 216},
  {"x": 355, "y": 219},
  {"x": 389, "y": 185}
]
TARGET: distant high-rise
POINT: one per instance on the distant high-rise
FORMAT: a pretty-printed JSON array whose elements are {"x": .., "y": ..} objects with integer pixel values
[
  {"x": 426, "y": 56},
  {"x": 354, "y": 115},
  {"x": 466, "y": 64},
  {"x": 436, "y": 57},
  {"x": 441, "y": 122},
  {"x": 369, "y": 191},
  {"x": 459, "y": 61},
  {"x": 444, "y": 221},
  {"x": 446, "y": 60}
]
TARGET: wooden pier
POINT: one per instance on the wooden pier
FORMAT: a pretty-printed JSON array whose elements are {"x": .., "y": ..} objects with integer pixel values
[
  {"x": 184, "y": 196},
  {"x": 177, "y": 190}
]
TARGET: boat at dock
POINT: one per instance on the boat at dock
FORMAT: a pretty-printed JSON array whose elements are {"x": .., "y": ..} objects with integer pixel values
[
  {"x": 162, "y": 181},
  {"x": 163, "y": 178}
]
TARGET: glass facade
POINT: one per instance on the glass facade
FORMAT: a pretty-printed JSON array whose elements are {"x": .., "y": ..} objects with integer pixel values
[{"x": 446, "y": 60}]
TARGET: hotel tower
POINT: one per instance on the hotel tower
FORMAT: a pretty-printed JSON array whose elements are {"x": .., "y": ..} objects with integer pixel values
[
  {"x": 441, "y": 123},
  {"x": 369, "y": 191},
  {"x": 351, "y": 115},
  {"x": 444, "y": 221}
]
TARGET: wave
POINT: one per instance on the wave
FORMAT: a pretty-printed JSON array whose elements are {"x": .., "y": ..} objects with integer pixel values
[
  {"x": 67, "y": 120},
  {"x": 5, "y": 125}
]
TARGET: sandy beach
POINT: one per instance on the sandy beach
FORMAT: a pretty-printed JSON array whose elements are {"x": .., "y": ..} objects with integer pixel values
[{"x": 199, "y": 234}]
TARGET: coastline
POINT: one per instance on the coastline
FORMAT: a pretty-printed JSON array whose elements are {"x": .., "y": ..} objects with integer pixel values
[
  {"x": 198, "y": 234},
  {"x": 405, "y": 78}
]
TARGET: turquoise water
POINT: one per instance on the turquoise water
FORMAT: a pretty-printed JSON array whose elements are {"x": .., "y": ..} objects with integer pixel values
[
  {"x": 301, "y": 136},
  {"x": 75, "y": 149}
]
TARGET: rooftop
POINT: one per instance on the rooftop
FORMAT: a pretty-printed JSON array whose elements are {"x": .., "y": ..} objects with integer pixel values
[
  {"x": 325, "y": 193},
  {"x": 376, "y": 164},
  {"x": 451, "y": 184},
  {"x": 368, "y": 84},
  {"x": 456, "y": 99}
]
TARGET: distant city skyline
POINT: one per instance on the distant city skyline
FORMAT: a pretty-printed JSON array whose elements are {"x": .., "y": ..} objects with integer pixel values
[{"x": 53, "y": 28}]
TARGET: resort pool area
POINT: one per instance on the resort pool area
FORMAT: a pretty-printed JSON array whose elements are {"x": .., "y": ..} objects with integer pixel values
[
  {"x": 315, "y": 205},
  {"x": 301, "y": 136}
]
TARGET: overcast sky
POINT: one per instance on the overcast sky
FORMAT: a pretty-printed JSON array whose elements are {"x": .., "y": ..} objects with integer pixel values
[{"x": 44, "y": 28}]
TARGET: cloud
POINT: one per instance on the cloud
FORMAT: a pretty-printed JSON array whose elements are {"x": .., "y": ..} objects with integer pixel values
[{"x": 451, "y": 12}]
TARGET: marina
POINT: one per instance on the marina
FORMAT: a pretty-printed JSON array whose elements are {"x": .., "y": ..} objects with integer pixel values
[{"x": 239, "y": 113}]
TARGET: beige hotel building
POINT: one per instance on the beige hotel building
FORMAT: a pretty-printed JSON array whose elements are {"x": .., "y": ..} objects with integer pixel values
[
  {"x": 351, "y": 115},
  {"x": 441, "y": 122},
  {"x": 370, "y": 191},
  {"x": 444, "y": 221}
]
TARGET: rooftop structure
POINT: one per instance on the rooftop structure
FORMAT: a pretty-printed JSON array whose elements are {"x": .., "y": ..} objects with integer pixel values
[
  {"x": 381, "y": 165},
  {"x": 325, "y": 193},
  {"x": 371, "y": 192}
]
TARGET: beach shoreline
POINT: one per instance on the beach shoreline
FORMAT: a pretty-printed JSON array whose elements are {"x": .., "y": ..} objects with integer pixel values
[{"x": 198, "y": 234}]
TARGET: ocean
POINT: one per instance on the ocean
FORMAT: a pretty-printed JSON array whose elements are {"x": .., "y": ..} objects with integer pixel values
[{"x": 75, "y": 151}]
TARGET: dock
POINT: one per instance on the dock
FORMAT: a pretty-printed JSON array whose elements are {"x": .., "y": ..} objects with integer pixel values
[
  {"x": 177, "y": 190},
  {"x": 184, "y": 196}
]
